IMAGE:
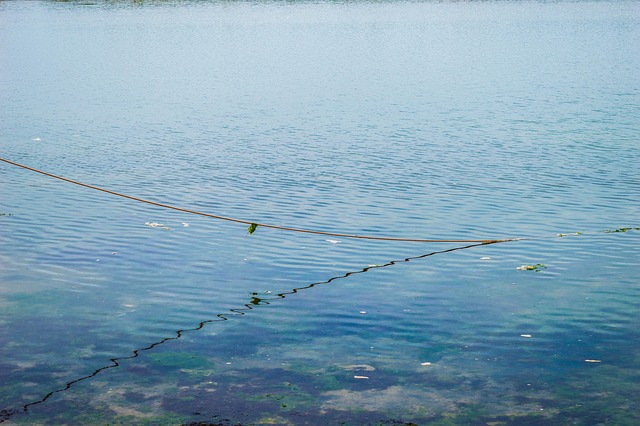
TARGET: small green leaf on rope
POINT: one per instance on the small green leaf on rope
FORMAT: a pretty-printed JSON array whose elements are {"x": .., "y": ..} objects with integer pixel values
[{"x": 252, "y": 228}]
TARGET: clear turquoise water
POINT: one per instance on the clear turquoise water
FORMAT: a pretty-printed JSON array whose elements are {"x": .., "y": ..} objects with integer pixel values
[{"x": 456, "y": 120}]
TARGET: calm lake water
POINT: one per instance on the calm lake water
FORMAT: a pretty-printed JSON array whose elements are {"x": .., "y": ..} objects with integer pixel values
[{"x": 450, "y": 120}]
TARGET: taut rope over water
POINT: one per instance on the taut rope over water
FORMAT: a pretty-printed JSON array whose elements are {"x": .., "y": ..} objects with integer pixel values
[{"x": 253, "y": 225}]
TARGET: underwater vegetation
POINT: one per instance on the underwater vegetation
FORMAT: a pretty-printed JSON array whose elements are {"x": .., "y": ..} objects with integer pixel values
[{"x": 250, "y": 372}]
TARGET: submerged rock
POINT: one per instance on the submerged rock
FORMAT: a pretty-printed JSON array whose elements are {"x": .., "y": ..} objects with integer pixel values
[{"x": 359, "y": 367}]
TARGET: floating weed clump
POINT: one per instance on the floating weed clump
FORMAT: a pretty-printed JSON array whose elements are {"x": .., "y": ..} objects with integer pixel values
[
  {"x": 610, "y": 231},
  {"x": 572, "y": 234},
  {"x": 6, "y": 214},
  {"x": 157, "y": 225},
  {"x": 252, "y": 228},
  {"x": 537, "y": 267}
]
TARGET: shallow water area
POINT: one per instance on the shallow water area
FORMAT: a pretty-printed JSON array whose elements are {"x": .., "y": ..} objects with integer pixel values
[{"x": 441, "y": 120}]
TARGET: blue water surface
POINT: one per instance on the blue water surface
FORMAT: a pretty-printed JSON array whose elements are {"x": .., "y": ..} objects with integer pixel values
[{"x": 432, "y": 120}]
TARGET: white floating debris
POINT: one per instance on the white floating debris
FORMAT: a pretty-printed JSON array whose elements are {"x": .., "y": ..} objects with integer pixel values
[
  {"x": 363, "y": 312},
  {"x": 425, "y": 363},
  {"x": 485, "y": 258},
  {"x": 114, "y": 252},
  {"x": 36, "y": 139},
  {"x": 333, "y": 241},
  {"x": 156, "y": 225},
  {"x": 228, "y": 363},
  {"x": 528, "y": 336},
  {"x": 360, "y": 377},
  {"x": 592, "y": 360},
  {"x": 185, "y": 224}
]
